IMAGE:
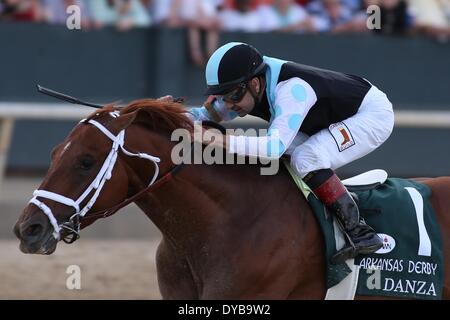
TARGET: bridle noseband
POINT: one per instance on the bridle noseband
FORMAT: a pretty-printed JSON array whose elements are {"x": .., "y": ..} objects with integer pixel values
[{"x": 72, "y": 227}]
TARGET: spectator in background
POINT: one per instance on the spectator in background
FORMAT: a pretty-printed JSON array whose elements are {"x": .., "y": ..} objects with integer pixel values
[
  {"x": 302, "y": 2},
  {"x": 55, "y": 11},
  {"x": 395, "y": 18},
  {"x": 165, "y": 13},
  {"x": 168, "y": 13},
  {"x": 125, "y": 14},
  {"x": 332, "y": 16},
  {"x": 285, "y": 15},
  {"x": 431, "y": 17},
  {"x": 103, "y": 12},
  {"x": 132, "y": 13},
  {"x": 352, "y": 5},
  {"x": 446, "y": 7},
  {"x": 201, "y": 16},
  {"x": 240, "y": 15},
  {"x": 360, "y": 16},
  {"x": 21, "y": 10}
]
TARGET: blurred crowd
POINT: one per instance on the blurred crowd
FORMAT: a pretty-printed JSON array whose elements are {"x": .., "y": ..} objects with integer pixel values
[{"x": 209, "y": 17}]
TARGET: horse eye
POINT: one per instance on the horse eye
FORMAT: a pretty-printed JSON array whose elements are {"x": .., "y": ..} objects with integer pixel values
[{"x": 87, "y": 162}]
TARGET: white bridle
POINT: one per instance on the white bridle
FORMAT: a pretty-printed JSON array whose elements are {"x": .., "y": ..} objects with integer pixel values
[{"x": 97, "y": 184}]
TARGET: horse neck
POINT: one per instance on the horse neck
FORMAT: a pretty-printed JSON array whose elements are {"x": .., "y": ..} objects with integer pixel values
[{"x": 205, "y": 200}]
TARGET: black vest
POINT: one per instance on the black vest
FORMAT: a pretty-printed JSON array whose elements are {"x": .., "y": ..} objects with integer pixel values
[{"x": 339, "y": 96}]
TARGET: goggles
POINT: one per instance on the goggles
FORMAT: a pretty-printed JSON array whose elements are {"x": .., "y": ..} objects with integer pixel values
[{"x": 235, "y": 95}]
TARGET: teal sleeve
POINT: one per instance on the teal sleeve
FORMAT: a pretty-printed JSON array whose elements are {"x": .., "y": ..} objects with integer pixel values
[{"x": 201, "y": 113}]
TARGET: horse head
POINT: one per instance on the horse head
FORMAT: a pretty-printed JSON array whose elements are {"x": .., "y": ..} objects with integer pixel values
[{"x": 95, "y": 169}]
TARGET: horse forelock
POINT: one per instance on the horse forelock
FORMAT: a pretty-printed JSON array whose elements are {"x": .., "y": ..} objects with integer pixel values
[{"x": 106, "y": 109}]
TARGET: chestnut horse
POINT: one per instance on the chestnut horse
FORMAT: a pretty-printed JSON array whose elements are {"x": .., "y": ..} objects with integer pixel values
[{"x": 228, "y": 231}]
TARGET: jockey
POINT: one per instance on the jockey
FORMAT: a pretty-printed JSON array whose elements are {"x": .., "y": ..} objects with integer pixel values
[{"x": 322, "y": 119}]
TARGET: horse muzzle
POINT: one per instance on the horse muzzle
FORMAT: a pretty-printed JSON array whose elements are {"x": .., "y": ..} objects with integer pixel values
[{"x": 35, "y": 236}]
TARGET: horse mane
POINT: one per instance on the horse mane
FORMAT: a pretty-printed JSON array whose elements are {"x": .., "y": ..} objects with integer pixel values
[{"x": 160, "y": 115}]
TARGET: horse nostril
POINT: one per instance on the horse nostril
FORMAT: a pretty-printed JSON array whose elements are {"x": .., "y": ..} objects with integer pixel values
[{"x": 33, "y": 230}]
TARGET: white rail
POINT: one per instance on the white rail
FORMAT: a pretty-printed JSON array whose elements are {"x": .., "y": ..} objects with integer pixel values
[
  {"x": 47, "y": 111},
  {"x": 11, "y": 111},
  {"x": 422, "y": 119},
  {"x": 65, "y": 111}
]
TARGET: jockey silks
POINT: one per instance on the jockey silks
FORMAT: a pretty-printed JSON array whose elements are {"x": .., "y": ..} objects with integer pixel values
[
  {"x": 339, "y": 95},
  {"x": 323, "y": 119}
]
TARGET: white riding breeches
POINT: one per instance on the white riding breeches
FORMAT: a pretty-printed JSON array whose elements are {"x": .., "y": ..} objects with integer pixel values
[{"x": 345, "y": 141}]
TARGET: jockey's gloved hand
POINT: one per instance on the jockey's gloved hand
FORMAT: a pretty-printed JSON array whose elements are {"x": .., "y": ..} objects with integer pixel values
[
  {"x": 167, "y": 98},
  {"x": 209, "y": 100},
  {"x": 170, "y": 98},
  {"x": 208, "y": 104}
]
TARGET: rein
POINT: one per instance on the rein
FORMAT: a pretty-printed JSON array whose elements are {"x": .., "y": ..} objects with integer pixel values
[
  {"x": 72, "y": 227},
  {"x": 158, "y": 183}
]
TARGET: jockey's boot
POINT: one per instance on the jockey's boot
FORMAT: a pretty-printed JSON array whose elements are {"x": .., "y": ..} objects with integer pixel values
[{"x": 361, "y": 238}]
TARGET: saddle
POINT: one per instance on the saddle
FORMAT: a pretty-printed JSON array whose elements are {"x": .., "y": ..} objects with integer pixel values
[
  {"x": 366, "y": 181},
  {"x": 401, "y": 212}
]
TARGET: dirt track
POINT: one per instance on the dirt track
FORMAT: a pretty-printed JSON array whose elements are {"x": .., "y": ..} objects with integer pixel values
[
  {"x": 110, "y": 269},
  {"x": 116, "y": 255}
]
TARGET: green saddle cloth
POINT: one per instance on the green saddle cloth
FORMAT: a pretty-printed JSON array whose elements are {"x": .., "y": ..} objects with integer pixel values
[{"x": 410, "y": 264}]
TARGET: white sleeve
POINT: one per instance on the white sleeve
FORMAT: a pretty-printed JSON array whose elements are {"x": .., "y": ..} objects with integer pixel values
[{"x": 293, "y": 100}]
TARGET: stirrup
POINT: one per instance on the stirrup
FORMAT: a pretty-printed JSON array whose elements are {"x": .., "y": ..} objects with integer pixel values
[{"x": 348, "y": 251}]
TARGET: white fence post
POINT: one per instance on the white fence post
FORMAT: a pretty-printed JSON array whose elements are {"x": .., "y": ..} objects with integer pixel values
[{"x": 6, "y": 127}]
